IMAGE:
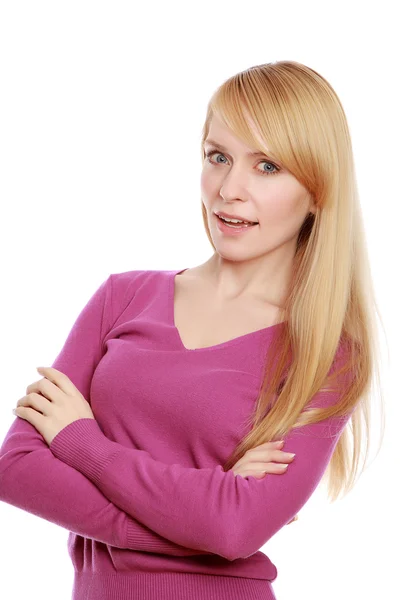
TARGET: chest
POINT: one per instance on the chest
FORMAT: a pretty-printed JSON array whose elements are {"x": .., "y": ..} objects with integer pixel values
[{"x": 202, "y": 321}]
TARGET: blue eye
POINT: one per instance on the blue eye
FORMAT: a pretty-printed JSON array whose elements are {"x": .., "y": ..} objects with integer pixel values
[{"x": 267, "y": 162}]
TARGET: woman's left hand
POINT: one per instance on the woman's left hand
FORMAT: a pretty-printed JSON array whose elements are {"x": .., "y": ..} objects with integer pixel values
[{"x": 52, "y": 403}]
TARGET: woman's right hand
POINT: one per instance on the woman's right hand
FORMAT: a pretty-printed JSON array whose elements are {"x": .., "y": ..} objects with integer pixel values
[{"x": 264, "y": 459}]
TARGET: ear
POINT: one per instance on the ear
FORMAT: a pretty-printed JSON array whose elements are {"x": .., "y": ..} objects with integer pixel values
[{"x": 312, "y": 206}]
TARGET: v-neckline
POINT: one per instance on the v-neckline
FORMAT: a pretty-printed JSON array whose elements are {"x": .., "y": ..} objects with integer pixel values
[{"x": 228, "y": 343}]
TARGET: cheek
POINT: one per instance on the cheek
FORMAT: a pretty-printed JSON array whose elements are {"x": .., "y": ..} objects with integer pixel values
[
  {"x": 285, "y": 203},
  {"x": 208, "y": 185},
  {"x": 205, "y": 178},
  {"x": 273, "y": 208},
  {"x": 281, "y": 215}
]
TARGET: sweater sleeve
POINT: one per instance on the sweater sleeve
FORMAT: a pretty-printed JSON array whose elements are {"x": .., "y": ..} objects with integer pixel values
[
  {"x": 33, "y": 479},
  {"x": 207, "y": 509}
]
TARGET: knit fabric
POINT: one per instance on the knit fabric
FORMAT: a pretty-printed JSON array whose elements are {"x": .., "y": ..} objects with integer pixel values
[{"x": 141, "y": 488}]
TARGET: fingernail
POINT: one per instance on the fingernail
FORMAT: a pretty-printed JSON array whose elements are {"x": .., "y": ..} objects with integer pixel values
[{"x": 280, "y": 443}]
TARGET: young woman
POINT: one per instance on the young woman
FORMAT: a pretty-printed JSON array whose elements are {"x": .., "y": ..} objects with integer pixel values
[{"x": 153, "y": 438}]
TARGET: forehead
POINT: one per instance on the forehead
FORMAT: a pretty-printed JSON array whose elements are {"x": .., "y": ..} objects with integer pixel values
[{"x": 220, "y": 135}]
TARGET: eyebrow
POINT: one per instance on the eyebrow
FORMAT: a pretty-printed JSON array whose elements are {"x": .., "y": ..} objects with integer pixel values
[{"x": 221, "y": 147}]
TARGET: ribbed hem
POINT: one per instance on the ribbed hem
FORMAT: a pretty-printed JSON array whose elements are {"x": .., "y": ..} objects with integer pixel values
[
  {"x": 140, "y": 539},
  {"x": 169, "y": 586},
  {"x": 83, "y": 446}
]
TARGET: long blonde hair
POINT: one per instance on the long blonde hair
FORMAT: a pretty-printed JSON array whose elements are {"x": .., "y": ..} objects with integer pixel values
[{"x": 329, "y": 327}]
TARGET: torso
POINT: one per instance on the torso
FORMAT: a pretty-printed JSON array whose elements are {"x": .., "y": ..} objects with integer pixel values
[{"x": 203, "y": 322}]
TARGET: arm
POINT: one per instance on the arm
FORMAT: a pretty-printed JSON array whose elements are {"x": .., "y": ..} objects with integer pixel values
[
  {"x": 33, "y": 479},
  {"x": 206, "y": 509}
]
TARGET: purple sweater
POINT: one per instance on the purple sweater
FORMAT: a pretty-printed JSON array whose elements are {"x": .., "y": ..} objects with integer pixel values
[{"x": 141, "y": 487}]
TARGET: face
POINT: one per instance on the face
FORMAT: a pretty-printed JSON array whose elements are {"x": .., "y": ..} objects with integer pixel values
[{"x": 257, "y": 188}]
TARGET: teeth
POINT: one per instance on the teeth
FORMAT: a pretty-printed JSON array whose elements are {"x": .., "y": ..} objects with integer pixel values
[{"x": 233, "y": 220}]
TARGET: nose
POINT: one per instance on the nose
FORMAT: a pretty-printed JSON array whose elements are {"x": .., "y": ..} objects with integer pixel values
[{"x": 234, "y": 185}]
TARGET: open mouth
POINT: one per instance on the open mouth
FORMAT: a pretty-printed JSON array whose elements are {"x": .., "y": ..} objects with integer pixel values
[{"x": 236, "y": 225}]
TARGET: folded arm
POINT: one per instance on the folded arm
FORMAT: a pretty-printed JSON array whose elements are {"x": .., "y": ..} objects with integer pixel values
[
  {"x": 205, "y": 509},
  {"x": 103, "y": 490},
  {"x": 33, "y": 479}
]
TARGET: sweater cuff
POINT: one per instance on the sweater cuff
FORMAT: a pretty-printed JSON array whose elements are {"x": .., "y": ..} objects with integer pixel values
[{"x": 83, "y": 446}]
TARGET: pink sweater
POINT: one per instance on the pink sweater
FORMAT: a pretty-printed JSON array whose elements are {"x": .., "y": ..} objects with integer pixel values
[{"x": 141, "y": 487}]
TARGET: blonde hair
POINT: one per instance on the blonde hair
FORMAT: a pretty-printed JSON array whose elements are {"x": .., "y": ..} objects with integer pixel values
[{"x": 329, "y": 328}]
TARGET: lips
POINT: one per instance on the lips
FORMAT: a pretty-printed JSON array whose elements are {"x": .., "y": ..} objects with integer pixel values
[
  {"x": 223, "y": 214},
  {"x": 233, "y": 228}
]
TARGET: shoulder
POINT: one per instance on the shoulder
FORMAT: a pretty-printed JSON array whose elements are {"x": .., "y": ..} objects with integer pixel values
[{"x": 128, "y": 285}]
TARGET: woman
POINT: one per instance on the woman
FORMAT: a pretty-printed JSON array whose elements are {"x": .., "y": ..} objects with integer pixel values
[{"x": 153, "y": 436}]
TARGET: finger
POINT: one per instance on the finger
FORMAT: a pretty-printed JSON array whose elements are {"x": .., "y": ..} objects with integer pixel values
[
  {"x": 29, "y": 414},
  {"x": 279, "y": 456},
  {"x": 46, "y": 388},
  {"x": 262, "y": 468},
  {"x": 33, "y": 387},
  {"x": 36, "y": 402},
  {"x": 36, "y": 386},
  {"x": 271, "y": 468},
  {"x": 59, "y": 379},
  {"x": 273, "y": 456}
]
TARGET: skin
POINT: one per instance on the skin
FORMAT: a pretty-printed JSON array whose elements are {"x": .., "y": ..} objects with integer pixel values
[
  {"x": 255, "y": 265},
  {"x": 52, "y": 403}
]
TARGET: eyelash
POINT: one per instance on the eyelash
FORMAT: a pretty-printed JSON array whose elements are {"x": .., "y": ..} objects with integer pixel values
[{"x": 210, "y": 152}]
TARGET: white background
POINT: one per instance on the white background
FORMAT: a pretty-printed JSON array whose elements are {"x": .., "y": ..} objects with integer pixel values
[{"x": 101, "y": 110}]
